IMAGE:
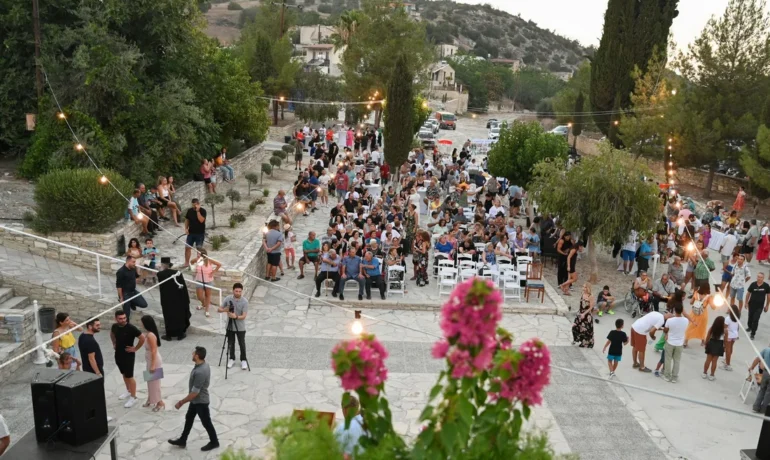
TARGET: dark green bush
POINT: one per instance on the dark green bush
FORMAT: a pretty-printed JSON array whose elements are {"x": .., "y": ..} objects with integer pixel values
[
  {"x": 234, "y": 6},
  {"x": 287, "y": 148},
  {"x": 204, "y": 6},
  {"x": 75, "y": 200},
  {"x": 326, "y": 9}
]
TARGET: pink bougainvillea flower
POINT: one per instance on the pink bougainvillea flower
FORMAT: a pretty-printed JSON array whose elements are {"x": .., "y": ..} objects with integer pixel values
[
  {"x": 360, "y": 364},
  {"x": 530, "y": 372},
  {"x": 440, "y": 349}
]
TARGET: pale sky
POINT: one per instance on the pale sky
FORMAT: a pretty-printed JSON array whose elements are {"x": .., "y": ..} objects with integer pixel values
[{"x": 583, "y": 20}]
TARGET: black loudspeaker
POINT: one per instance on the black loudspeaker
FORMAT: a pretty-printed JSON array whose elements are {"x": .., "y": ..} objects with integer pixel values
[
  {"x": 81, "y": 408},
  {"x": 44, "y": 402},
  {"x": 763, "y": 445}
]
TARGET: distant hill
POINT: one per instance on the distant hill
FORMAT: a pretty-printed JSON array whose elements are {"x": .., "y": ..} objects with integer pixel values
[{"x": 477, "y": 29}]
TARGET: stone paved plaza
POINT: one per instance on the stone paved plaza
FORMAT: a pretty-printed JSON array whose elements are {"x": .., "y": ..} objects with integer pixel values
[{"x": 294, "y": 372}]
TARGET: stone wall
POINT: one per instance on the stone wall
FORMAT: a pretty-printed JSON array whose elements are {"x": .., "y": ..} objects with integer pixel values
[
  {"x": 687, "y": 176},
  {"x": 107, "y": 243}
]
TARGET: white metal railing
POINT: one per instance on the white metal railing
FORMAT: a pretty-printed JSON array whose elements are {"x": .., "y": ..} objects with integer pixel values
[{"x": 98, "y": 261}]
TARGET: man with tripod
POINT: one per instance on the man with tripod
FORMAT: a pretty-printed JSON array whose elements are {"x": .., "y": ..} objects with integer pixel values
[{"x": 236, "y": 307}]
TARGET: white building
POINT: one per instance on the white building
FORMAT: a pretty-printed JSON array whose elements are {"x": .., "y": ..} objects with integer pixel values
[
  {"x": 446, "y": 50},
  {"x": 442, "y": 75},
  {"x": 317, "y": 51},
  {"x": 514, "y": 64}
]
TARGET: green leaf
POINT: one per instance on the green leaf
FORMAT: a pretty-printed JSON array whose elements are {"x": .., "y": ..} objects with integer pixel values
[
  {"x": 466, "y": 410},
  {"x": 526, "y": 411},
  {"x": 448, "y": 435},
  {"x": 435, "y": 391},
  {"x": 426, "y": 413}
]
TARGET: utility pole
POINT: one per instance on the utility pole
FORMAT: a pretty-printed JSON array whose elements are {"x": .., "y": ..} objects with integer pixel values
[{"x": 36, "y": 28}]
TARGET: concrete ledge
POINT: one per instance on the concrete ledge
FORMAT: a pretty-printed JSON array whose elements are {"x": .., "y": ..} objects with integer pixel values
[{"x": 378, "y": 304}]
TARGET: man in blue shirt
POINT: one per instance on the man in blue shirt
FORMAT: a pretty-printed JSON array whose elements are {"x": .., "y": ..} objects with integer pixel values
[
  {"x": 350, "y": 269},
  {"x": 349, "y": 437},
  {"x": 371, "y": 270},
  {"x": 645, "y": 252}
]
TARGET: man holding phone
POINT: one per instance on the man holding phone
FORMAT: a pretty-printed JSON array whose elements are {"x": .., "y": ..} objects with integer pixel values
[{"x": 195, "y": 228}]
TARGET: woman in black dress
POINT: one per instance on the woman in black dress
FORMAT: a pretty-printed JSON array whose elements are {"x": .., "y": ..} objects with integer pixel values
[
  {"x": 715, "y": 346},
  {"x": 572, "y": 275},
  {"x": 563, "y": 247},
  {"x": 583, "y": 327}
]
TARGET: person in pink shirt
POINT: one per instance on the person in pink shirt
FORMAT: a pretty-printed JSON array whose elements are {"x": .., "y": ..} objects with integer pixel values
[{"x": 349, "y": 140}]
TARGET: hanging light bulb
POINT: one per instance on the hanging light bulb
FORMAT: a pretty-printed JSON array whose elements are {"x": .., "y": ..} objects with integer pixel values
[
  {"x": 680, "y": 221},
  {"x": 357, "y": 327},
  {"x": 264, "y": 229},
  {"x": 719, "y": 300},
  {"x": 671, "y": 172},
  {"x": 673, "y": 92},
  {"x": 103, "y": 179},
  {"x": 299, "y": 206},
  {"x": 61, "y": 115},
  {"x": 690, "y": 246},
  {"x": 79, "y": 146},
  {"x": 670, "y": 139},
  {"x": 569, "y": 125},
  {"x": 671, "y": 182},
  {"x": 616, "y": 122},
  {"x": 671, "y": 163},
  {"x": 369, "y": 106}
]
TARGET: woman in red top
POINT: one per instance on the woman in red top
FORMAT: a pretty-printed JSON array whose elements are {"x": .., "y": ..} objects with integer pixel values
[
  {"x": 384, "y": 173},
  {"x": 206, "y": 171}
]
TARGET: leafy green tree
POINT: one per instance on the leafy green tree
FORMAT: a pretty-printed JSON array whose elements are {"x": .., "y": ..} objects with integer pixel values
[
  {"x": 756, "y": 161},
  {"x": 603, "y": 197},
  {"x": 532, "y": 86},
  {"x": 727, "y": 70},
  {"x": 564, "y": 100},
  {"x": 399, "y": 114},
  {"x": 316, "y": 86},
  {"x": 421, "y": 112},
  {"x": 522, "y": 146},
  {"x": 376, "y": 37},
  {"x": 632, "y": 31},
  {"x": 643, "y": 128},
  {"x": 214, "y": 199}
]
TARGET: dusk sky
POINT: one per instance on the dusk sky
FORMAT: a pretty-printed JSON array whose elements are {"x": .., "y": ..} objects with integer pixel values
[{"x": 583, "y": 20}]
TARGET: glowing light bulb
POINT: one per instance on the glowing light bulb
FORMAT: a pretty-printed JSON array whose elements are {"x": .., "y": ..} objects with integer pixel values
[
  {"x": 678, "y": 205},
  {"x": 425, "y": 104},
  {"x": 376, "y": 93},
  {"x": 299, "y": 206},
  {"x": 79, "y": 147},
  {"x": 281, "y": 98},
  {"x": 680, "y": 222},
  {"x": 61, "y": 115},
  {"x": 670, "y": 139},
  {"x": 671, "y": 182},
  {"x": 103, "y": 179},
  {"x": 616, "y": 122},
  {"x": 670, "y": 147},
  {"x": 719, "y": 300},
  {"x": 671, "y": 163},
  {"x": 569, "y": 125},
  {"x": 264, "y": 229},
  {"x": 474, "y": 115},
  {"x": 671, "y": 172},
  {"x": 690, "y": 246},
  {"x": 318, "y": 190},
  {"x": 673, "y": 92},
  {"x": 140, "y": 216},
  {"x": 369, "y": 106},
  {"x": 357, "y": 327}
]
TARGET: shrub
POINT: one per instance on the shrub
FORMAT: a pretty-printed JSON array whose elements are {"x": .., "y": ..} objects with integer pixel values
[
  {"x": 265, "y": 193},
  {"x": 213, "y": 199},
  {"x": 236, "y": 219},
  {"x": 217, "y": 241},
  {"x": 234, "y": 196},
  {"x": 233, "y": 6},
  {"x": 248, "y": 15},
  {"x": 266, "y": 169},
  {"x": 288, "y": 149},
  {"x": 275, "y": 161},
  {"x": 325, "y": 9},
  {"x": 253, "y": 179},
  {"x": 75, "y": 200},
  {"x": 204, "y": 6},
  {"x": 28, "y": 217}
]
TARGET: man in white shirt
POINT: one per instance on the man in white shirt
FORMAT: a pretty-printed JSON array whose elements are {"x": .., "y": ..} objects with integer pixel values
[
  {"x": 628, "y": 253},
  {"x": 496, "y": 208},
  {"x": 675, "y": 329},
  {"x": 348, "y": 438},
  {"x": 376, "y": 156},
  {"x": 728, "y": 246},
  {"x": 646, "y": 325}
]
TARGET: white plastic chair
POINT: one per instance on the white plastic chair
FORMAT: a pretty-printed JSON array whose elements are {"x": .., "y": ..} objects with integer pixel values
[
  {"x": 523, "y": 259},
  {"x": 440, "y": 256},
  {"x": 511, "y": 285},
  {"x": 467, "y": 273},
  {"x": 466, "y": 263},
  {"x": 503, "y": 260},
  {"x": 461, "y": 257},
  {"x": 480, "y": 247},
  {"x": 396, "y": 285},
  {"x": 447, "y": 280}
]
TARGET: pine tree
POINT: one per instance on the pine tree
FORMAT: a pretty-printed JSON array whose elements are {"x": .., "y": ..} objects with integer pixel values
[
  {"x": 399, "y": 114},
  {"x": 633, "y": 29},
  {"x": 577, "y": 124}
]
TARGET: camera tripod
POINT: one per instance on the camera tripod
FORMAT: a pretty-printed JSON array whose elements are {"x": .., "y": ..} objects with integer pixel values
[{"x": 224, "y": 344}]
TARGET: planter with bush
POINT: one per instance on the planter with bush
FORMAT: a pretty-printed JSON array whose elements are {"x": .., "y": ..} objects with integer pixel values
[{"x": 76, "y": 200}]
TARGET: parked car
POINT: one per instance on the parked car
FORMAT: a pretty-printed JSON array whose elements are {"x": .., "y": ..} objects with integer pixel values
[
  {"x": 561, "y": 129},
  {"x": 446, "y": 120},
  {"x": 434, "y": 124},
  {"x": 491, "y": 122},
  {"x": 427, "y": 139},
  {"x": 494, "y": 133}
]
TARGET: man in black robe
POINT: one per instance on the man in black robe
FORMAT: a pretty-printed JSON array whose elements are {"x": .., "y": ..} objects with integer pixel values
[{"x": 175, "y": 301}]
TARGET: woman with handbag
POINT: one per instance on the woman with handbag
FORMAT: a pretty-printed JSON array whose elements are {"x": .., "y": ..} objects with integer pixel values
[
  {"x": 204, "y": 268},
  {"x": 154, "y": 364}
]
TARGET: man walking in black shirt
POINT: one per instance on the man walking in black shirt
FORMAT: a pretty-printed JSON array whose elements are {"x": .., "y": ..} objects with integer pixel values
[
  {"x": 757, "y": 300},
  {"x": 195, "y": 228},
  {"x": 90, "y": 351},
  {"x": 123, "y": 335},
  {"x": 125, "y": 282}
]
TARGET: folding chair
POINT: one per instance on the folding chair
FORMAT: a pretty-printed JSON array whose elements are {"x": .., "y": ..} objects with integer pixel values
[
  {"x": 467, "y": 272},
  {"x": 447, "y": 280},
  {"x": 439, "y": 257},
  {"x": 511, "y": 285},
  {"x": 396, "y": 285},
  {"x": 749, "y": 383}
]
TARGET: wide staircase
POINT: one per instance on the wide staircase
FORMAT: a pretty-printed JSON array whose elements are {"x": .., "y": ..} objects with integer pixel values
[{"x": 17, "y": 333}]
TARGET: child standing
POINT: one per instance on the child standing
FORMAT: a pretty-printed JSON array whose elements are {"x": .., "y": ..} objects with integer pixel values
[
  {"x": 615, "y": 340},
  {"x": 715, "y": 346},
  {"x": 149, "y": 255},
  {"x": 289, "y": 238}
]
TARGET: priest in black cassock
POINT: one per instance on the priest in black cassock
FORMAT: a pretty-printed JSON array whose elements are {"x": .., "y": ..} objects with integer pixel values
[{"x": 175, "y": 301}]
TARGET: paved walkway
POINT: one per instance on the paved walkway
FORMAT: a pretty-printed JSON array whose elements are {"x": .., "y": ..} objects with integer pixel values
[{"x": 289, "y": 373}]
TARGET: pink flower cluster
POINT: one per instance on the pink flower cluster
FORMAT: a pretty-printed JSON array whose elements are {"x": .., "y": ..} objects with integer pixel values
[
  {"x": 469, "y": 321},
  {"x": 360, "y": 363},
  {"x": 529, "y": 376}
]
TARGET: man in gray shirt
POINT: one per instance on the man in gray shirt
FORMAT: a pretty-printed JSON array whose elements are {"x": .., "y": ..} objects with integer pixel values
[
  {"x": 236, "y": 306},
  {"x": 198, "y": 398},
  {"x": 273, "y": 242},
  {"x": 662, "y": 290},
  {"x": 350, "y": 269},
  {"x": 330, "y": 266}
]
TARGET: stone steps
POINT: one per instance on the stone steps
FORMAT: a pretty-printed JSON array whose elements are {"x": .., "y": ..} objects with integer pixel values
[
  {"x": 14, "y": 304},
  {"x": 5, "y": 294}
]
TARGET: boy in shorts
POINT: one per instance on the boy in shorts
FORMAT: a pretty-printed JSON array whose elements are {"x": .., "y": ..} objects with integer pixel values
[{"x": 615, "y": 341}]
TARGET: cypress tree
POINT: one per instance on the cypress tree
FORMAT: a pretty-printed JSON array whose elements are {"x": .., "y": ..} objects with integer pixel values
[
  {"x": 577, "y": 124},
  {"x": 633, "y": 30},
  {"x": 399, "y": 113}
]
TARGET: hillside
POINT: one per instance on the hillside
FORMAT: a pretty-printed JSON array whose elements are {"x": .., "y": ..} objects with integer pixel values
[{"x": 477, "y": 29}]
